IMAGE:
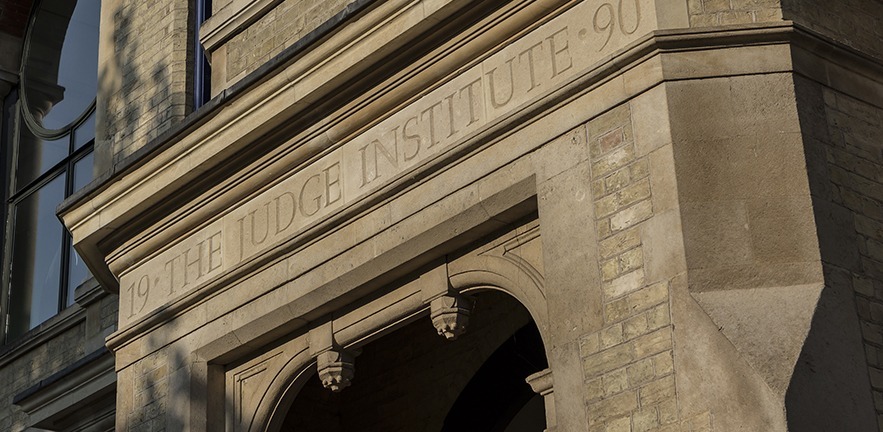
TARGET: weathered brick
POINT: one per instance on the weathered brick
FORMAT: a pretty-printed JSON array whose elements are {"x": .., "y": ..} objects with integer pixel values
[
  {"x": 616, "y": 310},
  {"x": 632, "y": 216},
  {"x": 608, "y": 360},
  {"x": 736, "y": 17},
  {"x": 619, "y": 243},
  {"x": 648, "y": 297},
  {"x": 623, "y": 285},
  {"x": 640, "y": 169},
  {"x": 613, "y": 161},
  {"x": 594, "y": 389},
  {"x": 641, "y": 373},
  {"x": 629, "y": 261},
  {"x": 663, "y": 363},
  {"x": 616, "y": 117},
  {"x": 658, "y": 391},
  {"x": 715, "y": 5},
  {"x": 599, "y": 188},
  {"x": 615, "y": 382},
  {"x": 634, "y": 193},
  {"x": 653, "y": 343},
  {"x": 645, "y": 420},
  {"x": 618, "y": 180},
  {"x": 589, "y": 344},
  {"x": 668, "y": 411},
  {"x": 622, "y": 424},
  {"x": 658, "y": 317},
  {"x": 609, "y": 269},
  {"x": 610, "y": 140},
  {"x": 612, "y": 407},
  {"x": 611, "y": 336},
  {"x": 634, "y": 327}
]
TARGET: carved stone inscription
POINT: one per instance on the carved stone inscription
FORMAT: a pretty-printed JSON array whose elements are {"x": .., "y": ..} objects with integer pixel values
[{"x": 499, "y": 86}]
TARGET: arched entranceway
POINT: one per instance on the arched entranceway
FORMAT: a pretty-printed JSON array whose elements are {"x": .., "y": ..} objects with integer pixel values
[{"x": 415, "y": 380}]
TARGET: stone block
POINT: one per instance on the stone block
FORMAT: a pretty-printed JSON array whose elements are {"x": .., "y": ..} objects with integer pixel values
[
  {"x": 623, "y": 285},
  {"x": 645, "y": 420},
  {"x": 658, "y": 317},
  {"x": 623, "y": 424},
  {"x": 611, "y": 336},
  {"x": 612, "y": 407},
  {"x": 622, "y": 242},
  {"x": 641, "y": 373},
  {"x": 608, "y": 360},
  {"x": 631, "y": 216},
  {"x": 658, "y": 391},
  {"x": 589, "y": 344},
  {"x": 648, "y": 297},
  {"x": 663, "y": 363},
  {"x": 653, "y": 343},
  {"x": 613, "y": 161},
  {"x": 612, "y": 119},
  {"x": 634, "y": 327},
  {"x": 615, "y": 382}
]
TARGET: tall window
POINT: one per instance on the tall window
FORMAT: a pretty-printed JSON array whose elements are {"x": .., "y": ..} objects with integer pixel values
[
  {"x": 51, "y": 130},
  {"x": 202, "y": 69}
]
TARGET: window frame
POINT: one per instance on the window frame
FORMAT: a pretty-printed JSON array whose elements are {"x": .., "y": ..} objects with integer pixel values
[
  {"x": 14, "y": 194},
  {"x": 202, "y": 71}
]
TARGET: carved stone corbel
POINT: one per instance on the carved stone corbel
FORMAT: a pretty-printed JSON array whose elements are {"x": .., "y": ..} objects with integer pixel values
[
  {"x": 541, "y": 383},
  {"x": 450, "y": 314},
  {"x": 336, "y": 368}
]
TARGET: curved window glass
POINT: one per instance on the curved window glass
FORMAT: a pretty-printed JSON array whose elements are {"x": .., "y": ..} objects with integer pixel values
[
  {"x": 53, "y": 133},
  {"x": 60, "y": 75}
]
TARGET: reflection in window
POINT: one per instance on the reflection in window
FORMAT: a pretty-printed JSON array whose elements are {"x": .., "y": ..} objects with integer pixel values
[
  {"x": 37, "y": 251},
  {"x": 60, "y": 78},
  {"x": 52, "y": 143}
]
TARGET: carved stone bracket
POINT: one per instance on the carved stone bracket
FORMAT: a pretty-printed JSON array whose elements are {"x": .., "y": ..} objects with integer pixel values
[
  {"x": 541, "y": 383},
  {"x": 450, "y": 315},
  {"x": 336, "y": 368}
]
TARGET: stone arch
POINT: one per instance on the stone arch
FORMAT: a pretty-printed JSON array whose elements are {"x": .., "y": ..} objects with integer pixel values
[
  {"x": 516, "y": 278},
  {"x": 279, "y": 394},
  {"x": 468, "y": 275}
]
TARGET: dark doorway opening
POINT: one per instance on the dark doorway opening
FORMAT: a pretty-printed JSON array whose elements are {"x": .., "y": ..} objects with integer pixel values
[{"x": 414, "y": 380}]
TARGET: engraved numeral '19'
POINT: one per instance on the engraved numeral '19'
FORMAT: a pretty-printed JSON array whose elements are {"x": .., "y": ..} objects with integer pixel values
[
  {"x": 139, "y": 289},
  {"x": 607, "y": 17}
]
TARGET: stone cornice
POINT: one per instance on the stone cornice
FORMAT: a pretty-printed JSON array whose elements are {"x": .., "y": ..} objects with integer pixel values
[
  {"x": 270, "y": 103},
  {"x": 664, "y": 43}
]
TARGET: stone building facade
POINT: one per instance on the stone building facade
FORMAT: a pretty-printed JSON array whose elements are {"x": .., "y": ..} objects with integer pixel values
[{"x": 523, "y": 215}]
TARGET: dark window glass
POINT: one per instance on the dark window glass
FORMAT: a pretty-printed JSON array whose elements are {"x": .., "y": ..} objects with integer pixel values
[
  {"x": 77, "y": 274},
  {"x": 202, "y": 69},
  {"x": 85, "y": 133},
  {"x": 37, "y": 249},
  {"x": 60, "y": 72},
  {"x": 36, "y": 156},
  {"x": 52, "y": 146},
  {"x": 83, "y": 171}
]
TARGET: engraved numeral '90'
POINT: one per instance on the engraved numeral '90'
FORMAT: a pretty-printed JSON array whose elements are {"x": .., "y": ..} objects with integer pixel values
[
  {"x": 141, "y": 290},
  {"x": 607, "y": 17}
]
